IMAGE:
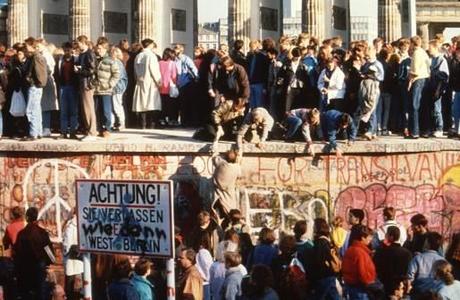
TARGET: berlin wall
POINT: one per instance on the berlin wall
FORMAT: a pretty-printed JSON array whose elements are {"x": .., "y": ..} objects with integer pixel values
[{"x": 276, "y": 189}]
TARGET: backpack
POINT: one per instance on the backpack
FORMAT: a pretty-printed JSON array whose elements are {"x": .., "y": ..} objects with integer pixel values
[
  {"x": 335, "y": 263},
  {"x": 294, "y": 280}
]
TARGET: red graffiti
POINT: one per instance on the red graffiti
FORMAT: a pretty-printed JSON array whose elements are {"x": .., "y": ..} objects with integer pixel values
[{"x": 439, "y": 205}]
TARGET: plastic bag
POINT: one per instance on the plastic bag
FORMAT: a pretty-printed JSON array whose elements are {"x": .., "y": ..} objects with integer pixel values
[
  {"x": 18, "y": 105},
  {"x": 173, "y": 90}
]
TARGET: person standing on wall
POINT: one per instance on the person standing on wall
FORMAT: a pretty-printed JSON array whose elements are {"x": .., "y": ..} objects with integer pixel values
[
  {"x": 107, "y": 76},
  {"x": 86, "y": 68},
  {"x": 147, "y": 97},
  {"x": 187, "y": 75},
  {"x": 37, "y": 78},
  {"x": 68, "y": 82}
]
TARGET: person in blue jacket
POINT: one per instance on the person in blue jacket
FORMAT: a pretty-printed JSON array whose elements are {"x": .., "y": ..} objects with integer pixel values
[
  {"x": 334, "y": 121},
  {"x": 144, "y": 288},
  {"x": 121, "y": 287}
]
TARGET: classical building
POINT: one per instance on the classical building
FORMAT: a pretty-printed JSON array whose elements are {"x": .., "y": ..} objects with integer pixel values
[
  {"x": 326, "y": 18},
  {"x": 208, "y": 38},
  {"x": 165, "y": 21},
  {"x": 433, "y": 16}
]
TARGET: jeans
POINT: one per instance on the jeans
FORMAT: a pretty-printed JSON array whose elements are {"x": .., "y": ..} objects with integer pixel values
[
  {"x": 294, "y": 123},
  {"x": 372, "y": 124},
  {"x": 326, "y": 289},
  {"x": 383, "y": 111},
  {"x": 118, "y": 115},
  {"x": 69, "y": 109},
  {"x": 437, "y": 115},
  {"x": 34, "y": 111},
  {"x": 355, "y": 293},
  {"x": 104, "y": 112},
  {"x": 257, "y": 95},
  {"x": 46, "y": 122},
  {"x": 416, "y": 94},
  {"x": 405, "y": 104},
  {"x": 456, "y": 112}
]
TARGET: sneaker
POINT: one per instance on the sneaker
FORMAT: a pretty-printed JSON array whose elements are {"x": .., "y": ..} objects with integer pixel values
[
  {"x": 89, "y": 138},
  {"x": 368, "y": 136},
  {"x": 73, "y": 136},
  {"x": 29, "y": 139},
  {"x": 413, "y": 137},
  {"x": 438, "y": 134},
  {"x": 425, "y": 135}
]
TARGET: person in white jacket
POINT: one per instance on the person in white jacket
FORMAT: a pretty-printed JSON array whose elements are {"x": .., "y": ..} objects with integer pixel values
[
  {"x": 331, "y": 84},
  {"x": 147, "y": 97},
  {"x": 73, "y": 267}
]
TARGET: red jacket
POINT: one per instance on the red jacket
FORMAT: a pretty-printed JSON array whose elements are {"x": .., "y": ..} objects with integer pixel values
[{"x": 357, "y": 265}]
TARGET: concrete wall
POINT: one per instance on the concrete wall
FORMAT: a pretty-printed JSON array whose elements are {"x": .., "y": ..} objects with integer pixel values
[{"x": 275, "y": 189}]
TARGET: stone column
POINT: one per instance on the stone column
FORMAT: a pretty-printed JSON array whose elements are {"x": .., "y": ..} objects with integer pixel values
[
  {"x": 423, "y": 30},
  {"x": 390, "y": 27},
  {"x": 145, "y": 20},
  {"x": 18, "y": 21},
  {"x": 314, "y": 18},
  {"x": 239, "y": 22},
  {"x": 79, "y": 18}
]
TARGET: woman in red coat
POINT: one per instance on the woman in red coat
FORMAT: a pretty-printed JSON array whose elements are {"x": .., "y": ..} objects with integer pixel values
[{"x": 358, "y": 269}]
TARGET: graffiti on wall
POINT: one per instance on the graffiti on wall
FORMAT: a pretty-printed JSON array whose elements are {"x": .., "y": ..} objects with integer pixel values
[{"x": 274, "y": 191}]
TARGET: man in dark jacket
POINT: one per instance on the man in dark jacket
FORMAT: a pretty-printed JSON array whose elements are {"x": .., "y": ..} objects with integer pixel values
[
  {"x": 209, "y": 227},
  {"x": 238, "y": 55},
  {"x": 68, "y": 83},
  {"x": 32, "y": 255},
  {"x": 37, "y": 77},
  {"x": 258, "y": 65},
  {"x": 333, "y": 121},
  {"x": 86, "y": 68},
  {"x": 391, "y": 259}
]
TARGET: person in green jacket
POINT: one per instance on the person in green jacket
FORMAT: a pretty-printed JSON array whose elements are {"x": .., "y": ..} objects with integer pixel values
[{"x": 144, "y": 288}]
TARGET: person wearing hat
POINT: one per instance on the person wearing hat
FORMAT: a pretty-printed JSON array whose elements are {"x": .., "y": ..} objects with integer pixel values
[{"x": 368, "y": 94}]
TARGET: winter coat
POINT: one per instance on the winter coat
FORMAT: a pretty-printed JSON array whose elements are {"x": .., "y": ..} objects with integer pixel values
[
  {"x": 143, "y": 287},
  {"x": 49, "y": 97},
  {"x": 87, "y": 62},
  {"x": 336, "y": 88},
  {"x": 358, "y": 269},
  {"x": 231, "y": 289},
  {"x": 368, "y": 95},
  {"x": 37, "y": 71},
  {"x": 266, "y": 125},
  {"x": 107, "y": 76},
  {"x": 224, "y": 180},
  {"x": 72, "y": 266},
  {"x": 123, "y": 290},
  {"x": 122, "y": 83},
  {"x": 287, "y": 78},
  {"x": 232, "y": 85},
  {"x": 148, "y": 80}
]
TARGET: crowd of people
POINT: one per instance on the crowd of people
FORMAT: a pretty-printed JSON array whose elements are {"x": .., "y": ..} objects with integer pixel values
[
  {"x": 220, "y": 261},
  {"x": 298, "y": 89}
]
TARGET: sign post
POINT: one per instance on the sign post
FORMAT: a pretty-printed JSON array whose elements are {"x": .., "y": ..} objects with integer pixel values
[{"x": 126, "y": 217}]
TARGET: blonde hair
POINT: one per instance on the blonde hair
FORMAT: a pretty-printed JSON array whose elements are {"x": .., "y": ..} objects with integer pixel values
[{"x": 116, "y": 52}]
